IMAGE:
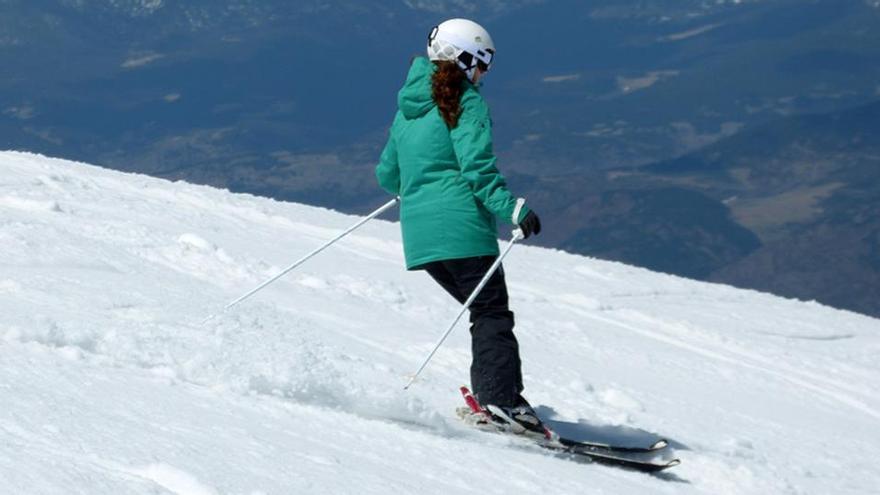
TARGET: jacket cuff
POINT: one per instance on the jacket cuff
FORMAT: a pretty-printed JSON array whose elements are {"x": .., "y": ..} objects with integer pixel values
[{"x": 519, "y": 211}]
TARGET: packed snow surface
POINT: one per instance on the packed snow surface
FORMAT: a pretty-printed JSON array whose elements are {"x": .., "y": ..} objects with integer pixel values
[{"x": 111, "y": 384}]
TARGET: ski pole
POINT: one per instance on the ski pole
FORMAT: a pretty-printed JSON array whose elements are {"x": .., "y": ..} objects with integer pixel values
[
  {"x": 306, "y": 257},
  {"x": 517, "y": 235}
]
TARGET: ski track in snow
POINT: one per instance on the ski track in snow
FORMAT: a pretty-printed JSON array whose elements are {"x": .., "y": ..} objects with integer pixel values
[
  {"x": 111, "y": 384},
  {"x": 174, "y": 480},
  {"x": 738, "y": 358},
  {"x": 638, "y": 323}
]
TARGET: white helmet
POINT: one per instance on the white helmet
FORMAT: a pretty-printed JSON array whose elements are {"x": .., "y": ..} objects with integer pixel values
[{"x": 464, "y": 42}]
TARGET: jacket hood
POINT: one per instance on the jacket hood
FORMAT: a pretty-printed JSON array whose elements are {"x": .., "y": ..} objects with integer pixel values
[{"x": 414, "y": 98}]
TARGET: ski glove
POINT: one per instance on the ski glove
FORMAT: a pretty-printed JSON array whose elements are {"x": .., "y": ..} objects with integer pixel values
[{"x": 531, "y": 224}]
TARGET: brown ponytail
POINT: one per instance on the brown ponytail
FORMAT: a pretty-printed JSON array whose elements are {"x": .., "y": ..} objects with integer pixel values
[{"x": 447, "y": 86}]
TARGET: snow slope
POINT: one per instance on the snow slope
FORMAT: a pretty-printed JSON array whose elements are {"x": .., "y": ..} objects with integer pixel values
[{"x": 110, "y": 384}]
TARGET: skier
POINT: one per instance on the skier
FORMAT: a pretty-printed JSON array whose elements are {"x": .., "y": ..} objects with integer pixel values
[{"x": 439, "y": 160}]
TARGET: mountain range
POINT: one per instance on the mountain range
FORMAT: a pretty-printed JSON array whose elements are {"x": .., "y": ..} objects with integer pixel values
[{"x": 723, "y": 140}]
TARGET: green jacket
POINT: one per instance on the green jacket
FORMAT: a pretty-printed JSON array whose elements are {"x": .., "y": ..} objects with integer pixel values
[{"x": 449, "y": 188}]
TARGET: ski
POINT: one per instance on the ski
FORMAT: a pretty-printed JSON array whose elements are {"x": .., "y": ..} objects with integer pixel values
[
  {"x": 654, "y": 447},
  {"x": 619, "y": 456},
  {"x": 614, "y": 457}
]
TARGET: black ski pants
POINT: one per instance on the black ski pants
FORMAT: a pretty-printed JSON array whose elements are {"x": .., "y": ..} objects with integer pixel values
[{"x": 496, "y": 375}]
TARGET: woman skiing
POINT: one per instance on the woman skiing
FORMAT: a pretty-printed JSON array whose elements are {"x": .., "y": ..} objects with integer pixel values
[{"x": 439, "y": 160}]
